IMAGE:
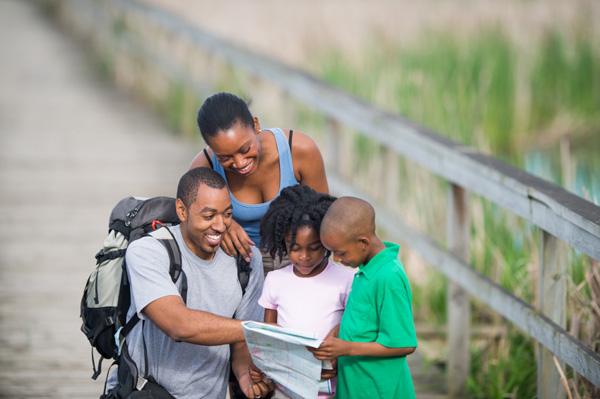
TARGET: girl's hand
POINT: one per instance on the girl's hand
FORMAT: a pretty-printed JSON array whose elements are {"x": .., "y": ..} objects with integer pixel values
[
  {"x": 331, "y": 348},
  {"x": 236, "y": 241}
]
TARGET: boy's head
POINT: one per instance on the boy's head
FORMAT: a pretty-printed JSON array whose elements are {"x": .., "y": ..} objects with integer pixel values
[{"x": 348, "y": 230}]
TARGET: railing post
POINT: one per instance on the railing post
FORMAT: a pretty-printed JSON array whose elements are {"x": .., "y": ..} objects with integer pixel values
[
  {"x": 459, "y": 308},
  {"x": 552, "y": 291}
]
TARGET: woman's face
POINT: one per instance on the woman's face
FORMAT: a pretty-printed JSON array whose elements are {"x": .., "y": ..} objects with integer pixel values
[{"x": 237, "y": 149}]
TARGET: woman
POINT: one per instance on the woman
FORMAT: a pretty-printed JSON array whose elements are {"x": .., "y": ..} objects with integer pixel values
[{"x": 257, "y": 164}]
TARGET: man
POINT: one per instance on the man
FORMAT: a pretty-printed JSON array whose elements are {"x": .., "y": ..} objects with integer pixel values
[{"x": 187, "y": 344}]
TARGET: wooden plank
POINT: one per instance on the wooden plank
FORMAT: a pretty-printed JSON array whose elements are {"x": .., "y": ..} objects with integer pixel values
[
  {"x": 459, "y": 308},
  {"x": 563, "y": 214},
  {"x": 552, "y": 286},
  {"x": 552, "y": 336}
]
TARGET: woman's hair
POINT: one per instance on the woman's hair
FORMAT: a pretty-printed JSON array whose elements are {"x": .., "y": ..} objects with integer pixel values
[
  {"x": 220, "y": 112},
  {"x": 297, "y": 206}
]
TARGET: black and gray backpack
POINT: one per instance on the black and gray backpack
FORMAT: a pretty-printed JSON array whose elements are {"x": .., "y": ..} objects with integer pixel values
[{"x": 106, "y": 297}]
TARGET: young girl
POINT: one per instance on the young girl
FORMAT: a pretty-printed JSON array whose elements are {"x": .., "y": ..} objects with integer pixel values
[{"x": 310, "y": 294}]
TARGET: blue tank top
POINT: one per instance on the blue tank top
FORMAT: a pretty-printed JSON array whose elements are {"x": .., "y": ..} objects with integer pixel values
[{"x": 249, "y": 215}]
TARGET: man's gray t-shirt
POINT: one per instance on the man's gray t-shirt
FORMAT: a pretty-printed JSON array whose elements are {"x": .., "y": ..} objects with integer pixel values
[{"x": 188, "y": 370}]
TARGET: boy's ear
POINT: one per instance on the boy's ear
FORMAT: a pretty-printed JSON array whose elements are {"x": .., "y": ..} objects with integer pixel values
[
  {"x": 364, "y": 242},
  {"x": 181, "y": 210}
]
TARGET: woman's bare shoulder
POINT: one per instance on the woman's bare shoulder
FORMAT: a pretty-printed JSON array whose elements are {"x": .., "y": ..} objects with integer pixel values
[{"x": 200, "y": 159}]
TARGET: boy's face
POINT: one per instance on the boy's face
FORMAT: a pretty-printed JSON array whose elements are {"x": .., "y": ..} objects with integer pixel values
[{"x": 347, "y": 251}]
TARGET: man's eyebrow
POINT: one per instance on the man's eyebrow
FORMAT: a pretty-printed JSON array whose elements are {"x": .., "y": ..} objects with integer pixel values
[{"x": 209, "y": 209}]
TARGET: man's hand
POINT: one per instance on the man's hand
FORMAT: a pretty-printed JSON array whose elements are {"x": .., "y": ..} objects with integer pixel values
[
  {"x": 255, "y": 384},
  {"x": 331, "y": 348},
  {"x": 236, "y": 241}
]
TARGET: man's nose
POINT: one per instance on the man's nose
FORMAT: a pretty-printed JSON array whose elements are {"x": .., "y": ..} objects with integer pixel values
[{"x": 219, "y": 224}]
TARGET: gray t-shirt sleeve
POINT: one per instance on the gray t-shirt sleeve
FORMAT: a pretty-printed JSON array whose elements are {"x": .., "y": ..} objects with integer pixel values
[
  {"x": 148, "y": 271},
  {"x": 249, "y": 309}
]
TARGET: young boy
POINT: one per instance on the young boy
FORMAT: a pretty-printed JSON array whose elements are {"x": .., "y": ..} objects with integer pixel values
[{"x": 377, "y": 330}]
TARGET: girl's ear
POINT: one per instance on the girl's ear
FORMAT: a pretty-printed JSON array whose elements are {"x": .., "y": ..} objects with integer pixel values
[
  {"x": 181, "y": 210},
  {"x": 256, "y": 124}
]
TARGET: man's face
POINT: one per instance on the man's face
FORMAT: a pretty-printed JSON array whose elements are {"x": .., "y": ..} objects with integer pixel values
[
  {"x": 205, "y": 221},
  {"x": 347, "y": 251}
]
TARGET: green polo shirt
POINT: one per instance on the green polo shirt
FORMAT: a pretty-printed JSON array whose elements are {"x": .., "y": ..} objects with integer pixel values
[{"x": 378, "y": 310}]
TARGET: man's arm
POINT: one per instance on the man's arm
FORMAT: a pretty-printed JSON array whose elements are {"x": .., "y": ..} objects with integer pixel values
[
  {"x": 180, "y": 323},
  {"x": 333, "y": 348}
]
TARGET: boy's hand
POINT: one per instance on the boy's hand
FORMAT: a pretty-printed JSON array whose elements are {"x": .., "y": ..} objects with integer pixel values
[{"x": 331, "y": 348}]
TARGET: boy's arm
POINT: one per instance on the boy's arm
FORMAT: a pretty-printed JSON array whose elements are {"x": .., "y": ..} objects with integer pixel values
[{"x": 332, "y": 348}]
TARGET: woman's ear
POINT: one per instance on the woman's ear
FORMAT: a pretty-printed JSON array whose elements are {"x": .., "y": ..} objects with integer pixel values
[
  {"x": 181, "y": 210},
  {"x": 256, "y": 124}
]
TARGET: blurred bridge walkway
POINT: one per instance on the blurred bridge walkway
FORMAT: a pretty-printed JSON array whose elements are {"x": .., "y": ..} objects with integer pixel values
[{"x": 70, "y": 147}]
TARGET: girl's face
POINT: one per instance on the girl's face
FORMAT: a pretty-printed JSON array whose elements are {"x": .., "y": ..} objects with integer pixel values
[
  {"x": 307, "y": 254},
  {"x": 237, "y": 149}
]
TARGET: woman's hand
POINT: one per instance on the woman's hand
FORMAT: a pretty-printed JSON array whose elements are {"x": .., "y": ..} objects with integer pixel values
[{"x": 236, "y": 241}]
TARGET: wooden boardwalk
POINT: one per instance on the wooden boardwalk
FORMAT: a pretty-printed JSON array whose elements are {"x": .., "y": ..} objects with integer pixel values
[{"x": 70, "y": 147}]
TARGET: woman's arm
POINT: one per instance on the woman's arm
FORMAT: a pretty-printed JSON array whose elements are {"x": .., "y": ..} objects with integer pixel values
[{"x": 309, "y": 167}]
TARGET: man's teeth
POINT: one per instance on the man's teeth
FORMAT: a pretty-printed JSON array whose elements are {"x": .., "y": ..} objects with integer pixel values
[{"x": 214, "y": 237}]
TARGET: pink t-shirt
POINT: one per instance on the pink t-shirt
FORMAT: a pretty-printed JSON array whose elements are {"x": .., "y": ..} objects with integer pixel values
[{"x": 312, "y": 305}]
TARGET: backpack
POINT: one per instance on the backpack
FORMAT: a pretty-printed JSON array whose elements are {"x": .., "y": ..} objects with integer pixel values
[{"x": 106, "y": 296}]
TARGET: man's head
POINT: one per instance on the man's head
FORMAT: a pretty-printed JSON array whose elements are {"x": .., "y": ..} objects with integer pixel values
[
  {"x": 348, "y": 231},
  {"x": 204, "y": 210}
]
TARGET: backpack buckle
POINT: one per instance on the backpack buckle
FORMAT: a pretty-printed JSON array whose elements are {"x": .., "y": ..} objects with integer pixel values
[{"x": 156, "y": 224}]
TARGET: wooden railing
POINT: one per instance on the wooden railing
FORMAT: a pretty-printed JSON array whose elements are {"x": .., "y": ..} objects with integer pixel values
[{"x": 561, "y": 215}]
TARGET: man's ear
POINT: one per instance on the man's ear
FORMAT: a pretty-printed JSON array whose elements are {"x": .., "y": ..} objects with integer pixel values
[
  {"x": 256, "y": 124},
  {"x": 181, "y": 210}
]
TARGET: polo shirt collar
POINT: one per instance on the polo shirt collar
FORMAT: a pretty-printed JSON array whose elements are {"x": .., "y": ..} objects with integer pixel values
[{"x": 386, "y": 255}]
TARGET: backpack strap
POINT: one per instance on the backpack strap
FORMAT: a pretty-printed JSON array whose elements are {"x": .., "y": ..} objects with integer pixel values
[
  {"x": 166, "y": 238},
  {"x": 243, "y": 271}
]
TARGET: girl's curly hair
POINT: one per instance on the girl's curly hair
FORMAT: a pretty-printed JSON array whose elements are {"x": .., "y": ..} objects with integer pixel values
[{"x": 297, "y": 206}]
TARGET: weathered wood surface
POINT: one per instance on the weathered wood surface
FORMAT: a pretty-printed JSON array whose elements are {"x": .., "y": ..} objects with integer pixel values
[
  {"x": 459, "y": 306},
  {"x": 552, "y": 287},
  {"x": 552, "y": 208},
  {"x": 69, "y": 149}
]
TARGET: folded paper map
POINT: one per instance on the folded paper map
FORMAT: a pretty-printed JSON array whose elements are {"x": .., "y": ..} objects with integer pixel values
[{"x": 282, "y": 355}]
